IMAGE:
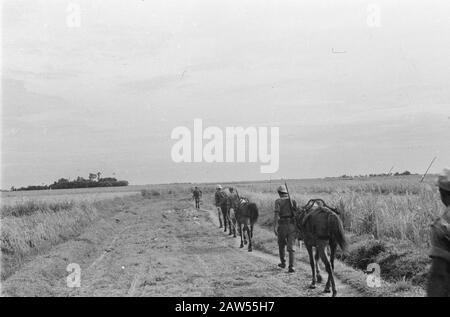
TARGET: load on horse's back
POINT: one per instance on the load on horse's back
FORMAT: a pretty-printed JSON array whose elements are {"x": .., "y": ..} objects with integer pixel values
[
  {"x": 320, "y": 225},
  {"x": 247, "y": 209},
  {"x": 246, "y": 215}
]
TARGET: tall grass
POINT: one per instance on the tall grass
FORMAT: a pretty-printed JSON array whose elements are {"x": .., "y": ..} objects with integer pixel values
[
  {"x": 33, "y": 226},
  {"x": 389, "y": 220},
  {"x": 385, "y": 211},
  {"x": 29, "y": 207},
  {"x": 400, "y": 185},
  {"x": 20, "y": 235}
]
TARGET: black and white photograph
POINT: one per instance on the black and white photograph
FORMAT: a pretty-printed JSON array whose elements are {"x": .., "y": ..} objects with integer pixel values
[{"x": 225, "y": 155}]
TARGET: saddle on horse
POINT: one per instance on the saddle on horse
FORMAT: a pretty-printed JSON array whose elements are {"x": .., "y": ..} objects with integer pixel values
[
  {"x": 240, "y": 207},
  {"x": 312, "y": 208},
  {"x": 321, "y": 206}
]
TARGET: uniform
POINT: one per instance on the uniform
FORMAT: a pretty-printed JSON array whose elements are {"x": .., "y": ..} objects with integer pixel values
[
  {"x": 197, "y": 194},
  {"x": 234, "y": 202},
  {"x": 222, "y": 201},
  {"x": 439, "y": 276},
  {"x": 287, "y": 231}
]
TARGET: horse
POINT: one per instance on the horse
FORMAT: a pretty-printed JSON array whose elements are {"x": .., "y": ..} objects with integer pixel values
[
  {"x": 318, "y": 228},
  {"x": 246, "y": 215}
]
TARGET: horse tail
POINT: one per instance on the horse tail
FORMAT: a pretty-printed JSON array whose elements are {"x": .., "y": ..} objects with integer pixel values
[
  {"x": 253, "y": 210},
  {"x": 337, "y": 231}
]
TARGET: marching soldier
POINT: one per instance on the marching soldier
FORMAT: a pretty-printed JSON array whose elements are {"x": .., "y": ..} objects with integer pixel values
[
  {"x": 439, "y": 277},
  {"x": 284, "y": 227},
  {"x": 222, "y": 203},
  {"x": 234, "y": 201},
  {"x": 196, "y": 195}
]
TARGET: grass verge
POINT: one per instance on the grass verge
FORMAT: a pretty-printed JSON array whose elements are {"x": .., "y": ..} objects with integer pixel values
[{"x": 34, "y": 232}]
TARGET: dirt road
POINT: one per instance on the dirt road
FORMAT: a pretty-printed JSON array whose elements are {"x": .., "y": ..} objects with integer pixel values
[{"x": 159, "y": 249}]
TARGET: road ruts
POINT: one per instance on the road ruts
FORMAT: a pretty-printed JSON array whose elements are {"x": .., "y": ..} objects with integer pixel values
[{"x": 182, "y": 252}]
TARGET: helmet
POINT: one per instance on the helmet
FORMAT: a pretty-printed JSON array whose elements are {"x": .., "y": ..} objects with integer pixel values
[
  {"x": 282, "y": 189},
  {"x": 444, "y": 180}
]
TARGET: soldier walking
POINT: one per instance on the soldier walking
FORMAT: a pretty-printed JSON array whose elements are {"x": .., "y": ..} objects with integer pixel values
[
  {"x": 439, "y": 276},
  {"x": 222, "y": 203},
  {"x": 234, "y": 202},
  {"x": 284, "y": 227},
  {"x": 197, "y": 195}
]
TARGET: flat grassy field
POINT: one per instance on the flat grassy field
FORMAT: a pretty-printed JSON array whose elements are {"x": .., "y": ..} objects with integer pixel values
[
  {"x": 387, "y": 219},
  {"x": 78, "y": 194}
]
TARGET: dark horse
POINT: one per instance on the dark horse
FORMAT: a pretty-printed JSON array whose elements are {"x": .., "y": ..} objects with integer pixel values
[
  {"x": 246, "y": 215},
  {"x": 320, "y": 227}
]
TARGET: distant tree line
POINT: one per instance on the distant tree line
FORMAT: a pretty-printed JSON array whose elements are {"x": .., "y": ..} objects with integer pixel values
[
  {"x": 405, "y": 173},
  {"x": 94, "y": 180}
]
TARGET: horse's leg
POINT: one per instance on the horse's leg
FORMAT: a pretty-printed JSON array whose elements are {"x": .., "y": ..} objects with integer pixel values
[
  {"x": 225, "y": 220},
  {"x": 240, "y": 234},
  {"x": 250, "y": 249},
  {"x": 245, "y": 228},
  {"x": 333, "y": 247},
  {"x": 311, "y": 261},
  {"x": 319, "y": 276},
  {"x": 229, "y": 223},
  {"x": 324, "y": 257},
  {"x": 233, "y": 222},
  {"x": 219, "y": 213}
]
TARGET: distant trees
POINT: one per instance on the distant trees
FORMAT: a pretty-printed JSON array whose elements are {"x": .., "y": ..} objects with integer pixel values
[
  {"x": 404, "y": 173},
  {"x": 93, "y": 180},
  {"x": 32, "y": 187}
]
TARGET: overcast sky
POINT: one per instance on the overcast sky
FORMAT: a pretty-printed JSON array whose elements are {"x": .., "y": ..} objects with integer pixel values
[{"x": 105, "y": 96}]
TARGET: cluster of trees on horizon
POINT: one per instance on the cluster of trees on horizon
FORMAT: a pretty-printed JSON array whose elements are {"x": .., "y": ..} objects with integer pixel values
[
  {"x": 94, "y": 180},
  {"x": 405, "y": 173}
]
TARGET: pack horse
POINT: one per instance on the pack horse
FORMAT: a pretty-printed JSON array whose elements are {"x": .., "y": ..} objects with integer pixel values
[
  {"x": 246, "y": 215},
  {"x": 319, "y": 226}
]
